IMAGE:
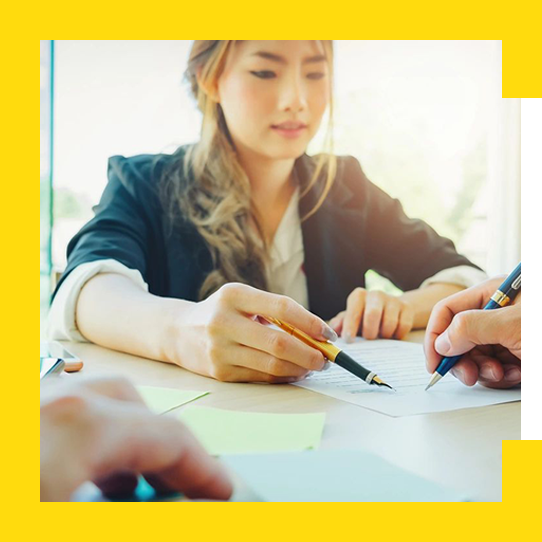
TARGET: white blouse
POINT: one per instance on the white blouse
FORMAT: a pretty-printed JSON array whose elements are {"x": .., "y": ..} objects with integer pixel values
[{"x": 285, "y": 276}]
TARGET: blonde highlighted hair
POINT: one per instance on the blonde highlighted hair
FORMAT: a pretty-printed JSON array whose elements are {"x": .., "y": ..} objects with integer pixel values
[{"x": 217, "y": 199}]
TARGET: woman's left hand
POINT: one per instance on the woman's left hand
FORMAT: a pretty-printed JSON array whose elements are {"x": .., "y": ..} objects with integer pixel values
[{"x": 372, "y": 315}]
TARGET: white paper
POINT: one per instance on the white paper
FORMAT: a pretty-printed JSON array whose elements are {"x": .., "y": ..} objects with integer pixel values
[{"x": 402, "y": 365}]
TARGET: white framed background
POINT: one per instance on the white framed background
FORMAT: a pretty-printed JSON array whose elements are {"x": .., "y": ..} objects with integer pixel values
[{"x": 425, "y": 119}]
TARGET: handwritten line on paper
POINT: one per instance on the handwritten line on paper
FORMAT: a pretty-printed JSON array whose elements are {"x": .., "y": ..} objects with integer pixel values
[{"x": 401, "y": 364}]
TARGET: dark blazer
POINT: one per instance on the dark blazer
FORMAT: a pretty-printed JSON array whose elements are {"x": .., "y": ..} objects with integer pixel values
[{"x": 358, "y": 228}]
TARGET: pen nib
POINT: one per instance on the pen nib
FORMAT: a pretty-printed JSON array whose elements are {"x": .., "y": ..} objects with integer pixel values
[
  {"x": 434, "y": 379},
  {"x": 379, "y": 382}
]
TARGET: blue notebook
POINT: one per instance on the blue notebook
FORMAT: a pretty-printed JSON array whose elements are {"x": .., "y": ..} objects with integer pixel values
[{"x": 333, "y": 476}]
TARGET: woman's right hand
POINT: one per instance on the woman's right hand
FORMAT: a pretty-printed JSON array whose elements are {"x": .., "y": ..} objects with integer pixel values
[{"x": 223, "y": 337}]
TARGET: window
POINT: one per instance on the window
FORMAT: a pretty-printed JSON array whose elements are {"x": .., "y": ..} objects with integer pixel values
[
  {"x": 46, "y": 47},
  {"x": 419, "y": 115}
]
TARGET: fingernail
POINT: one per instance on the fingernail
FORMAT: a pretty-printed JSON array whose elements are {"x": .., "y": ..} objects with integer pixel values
[
  {"x": 348, "y": 338},
  {"x": 327, "y": 366},
  {"x": 442, "y": 344},
  {"x": 487, "y": 373},
  {"x": 513, "y": 375},
  {"x": 330, "y": 334}
]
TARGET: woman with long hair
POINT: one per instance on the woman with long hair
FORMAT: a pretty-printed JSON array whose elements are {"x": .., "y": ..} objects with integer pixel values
[{"x": 189, "y": 252}]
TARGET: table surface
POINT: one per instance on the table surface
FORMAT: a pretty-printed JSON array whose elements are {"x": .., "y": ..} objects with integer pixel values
[{"x": 460, "y": 449}]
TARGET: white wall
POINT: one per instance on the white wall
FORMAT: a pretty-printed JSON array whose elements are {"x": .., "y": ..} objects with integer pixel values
[{"x": 531, "y": 179}]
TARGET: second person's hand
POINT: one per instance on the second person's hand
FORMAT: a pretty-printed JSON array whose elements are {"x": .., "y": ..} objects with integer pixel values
[
  {"x": 102, "y": 431},
  {"x": 489, "y": 340}
]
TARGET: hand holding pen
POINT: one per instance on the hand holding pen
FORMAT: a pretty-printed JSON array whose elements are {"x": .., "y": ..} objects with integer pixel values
[
  {"x": 333, "y": 354},
  {"x": 490, "y": 340},
  {"x": 222, "y": 337}
]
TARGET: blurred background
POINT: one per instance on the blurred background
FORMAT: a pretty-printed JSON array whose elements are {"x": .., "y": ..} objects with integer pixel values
[
  {"x": 425, "y": 119},
  {"x": 531, "y": 179}
]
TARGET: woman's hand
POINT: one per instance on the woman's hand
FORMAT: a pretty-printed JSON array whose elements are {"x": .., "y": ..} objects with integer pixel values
[
  {"x": 101, "y": 431},
  {"x": 490, "y": 340},
  {"x": 223, "y": 338},
  {"x": 374, "y": 314}
]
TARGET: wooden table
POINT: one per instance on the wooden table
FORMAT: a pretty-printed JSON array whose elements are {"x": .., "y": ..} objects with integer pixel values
[{"x": 461, "y": 449}]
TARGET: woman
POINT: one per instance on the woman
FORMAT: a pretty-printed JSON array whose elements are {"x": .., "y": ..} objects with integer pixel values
[{"x": 188, "y": 252}]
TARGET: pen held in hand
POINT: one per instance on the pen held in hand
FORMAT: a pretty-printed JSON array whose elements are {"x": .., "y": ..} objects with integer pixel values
[
  {"x": 505, "y": 295},
  {"x": 333, "y": 354}
]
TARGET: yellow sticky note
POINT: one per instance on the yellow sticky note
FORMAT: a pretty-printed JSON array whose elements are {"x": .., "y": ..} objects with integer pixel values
[{"x": 227, "y": 432}]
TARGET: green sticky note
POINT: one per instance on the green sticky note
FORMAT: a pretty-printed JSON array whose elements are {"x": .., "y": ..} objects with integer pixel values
[
  {"x": 228, "y": 432},
  {"x": 164, "y": 400}
]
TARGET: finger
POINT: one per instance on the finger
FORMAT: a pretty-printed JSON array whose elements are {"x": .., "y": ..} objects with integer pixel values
[
  {"x": 444, "y": 312},
  {"x": 512, "y": 376},
  {"x": 390, "y": 319},
  {"x": 406, "y": 323},
  {"x": 143, "y": 443},
  {"x": 339, "y": 328},
  {"x": 490, "y": 369},
  {"x": 253, "y": 301},
  {"x": 117, "y": 485},
  {"x": 469, "y": 329},
  {"x": 232, "y": 363},
  {"x": 278, "y": 344},
  {"x": 265, "y": 363},
  {"x": 242, "y": 374},
  {"x": 337, "y": 323},
  {"x": 372, "y": 316},
  {"x": 194, "y": 473},
  {"x": 502, "y": 374},
  {"x": 354, "y": 312},
  {"x": 237, "y": 374},
  {"x": 466, "y": 371},
  {"x": 511, "y": 379}
]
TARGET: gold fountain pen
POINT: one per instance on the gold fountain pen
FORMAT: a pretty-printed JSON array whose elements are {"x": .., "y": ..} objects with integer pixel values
[{"x": 333, "y": 354}]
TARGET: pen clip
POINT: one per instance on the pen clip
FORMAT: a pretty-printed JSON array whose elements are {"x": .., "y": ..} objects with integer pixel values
[{"x": 516, "y": 285}]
